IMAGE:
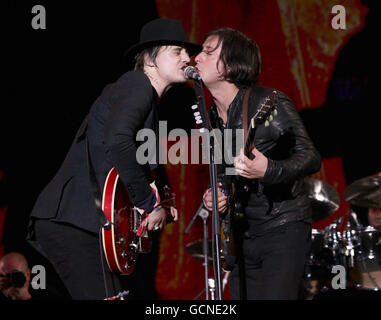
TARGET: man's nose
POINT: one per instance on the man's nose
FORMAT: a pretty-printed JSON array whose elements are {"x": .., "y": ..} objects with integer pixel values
[
  {"x": 185, "y": 56},
  {"x": 197, "y": 59}
]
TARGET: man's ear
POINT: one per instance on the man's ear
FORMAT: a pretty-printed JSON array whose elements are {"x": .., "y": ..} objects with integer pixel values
[
  {"x": 148, "y": 61},
  {"x": 28, "y": 276},
  {"x": 223, "y": 70}
]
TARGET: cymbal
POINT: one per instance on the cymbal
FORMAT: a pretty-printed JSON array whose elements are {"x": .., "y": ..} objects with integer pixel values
[
  {"x": 365, "y": 192},
  {"x": 324, "y": 198},
  {"x": 196, "y": 251}
]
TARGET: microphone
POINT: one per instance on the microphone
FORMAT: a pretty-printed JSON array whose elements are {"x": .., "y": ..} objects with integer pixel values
[{"x": 191, "y": 73}]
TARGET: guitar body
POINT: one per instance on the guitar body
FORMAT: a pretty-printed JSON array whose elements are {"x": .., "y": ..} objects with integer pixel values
[
  {"x": 227, "y": 236},
  {"x": 121, "y": 245},
  {"x": 230, "y": 220}
]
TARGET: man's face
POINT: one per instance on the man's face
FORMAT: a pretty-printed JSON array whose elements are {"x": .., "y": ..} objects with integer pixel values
[
  {"x": 6, "y": 268},
  {"x": 208, "y": 62},
  {"x": 4, "y": 285},
  {"x": 374, "y": 217},
  {"x": 171, "y": 62}
]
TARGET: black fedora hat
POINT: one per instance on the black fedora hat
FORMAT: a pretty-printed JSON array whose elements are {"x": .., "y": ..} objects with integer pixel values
[{"x": 160, "y": 32}]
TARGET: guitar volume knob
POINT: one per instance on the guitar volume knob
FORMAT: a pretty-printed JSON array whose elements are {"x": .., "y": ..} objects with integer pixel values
[{"x": 133, "y": 247}]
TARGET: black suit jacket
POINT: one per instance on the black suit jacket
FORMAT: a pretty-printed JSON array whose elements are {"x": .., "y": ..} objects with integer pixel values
[{"x": 122, "y": 109}]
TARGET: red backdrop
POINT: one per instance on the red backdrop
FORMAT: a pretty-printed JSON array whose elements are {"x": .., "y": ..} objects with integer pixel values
[{"x": 299, "y": 49}]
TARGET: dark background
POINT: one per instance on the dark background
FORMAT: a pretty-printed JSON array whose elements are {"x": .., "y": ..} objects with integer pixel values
[{"x": 52, "y": 78}]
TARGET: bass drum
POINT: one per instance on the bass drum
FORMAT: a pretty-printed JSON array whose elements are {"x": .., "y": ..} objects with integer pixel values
[{"x": 368, "y": 261}]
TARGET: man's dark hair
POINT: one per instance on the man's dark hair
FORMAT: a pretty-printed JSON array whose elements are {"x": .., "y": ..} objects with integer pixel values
[
  {"x": 240, "y": 55},
  {"x": 150, "y": 52}
]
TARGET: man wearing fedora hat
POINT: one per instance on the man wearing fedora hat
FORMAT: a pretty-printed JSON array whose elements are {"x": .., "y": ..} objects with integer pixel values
[{"x": 65, "y": 224}]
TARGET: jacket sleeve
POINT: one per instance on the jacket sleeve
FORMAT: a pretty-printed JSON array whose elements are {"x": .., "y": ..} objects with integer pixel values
[
  {"x": 130, "y": 105},
  {"x": 303, "y": 159}
]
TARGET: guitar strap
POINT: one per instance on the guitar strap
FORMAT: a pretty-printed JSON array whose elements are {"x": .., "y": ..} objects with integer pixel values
[{"x": 244, "y": 113}]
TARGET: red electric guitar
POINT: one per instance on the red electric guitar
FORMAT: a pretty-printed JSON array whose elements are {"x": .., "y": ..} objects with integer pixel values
[{"x": 126, "y": 237}]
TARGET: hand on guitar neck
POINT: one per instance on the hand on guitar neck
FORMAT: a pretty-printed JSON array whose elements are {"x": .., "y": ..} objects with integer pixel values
[{"x": 251, "y": 169}]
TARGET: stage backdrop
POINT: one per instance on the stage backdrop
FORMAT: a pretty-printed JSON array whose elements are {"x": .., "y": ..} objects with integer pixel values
[{"x": 299, "y": 48}]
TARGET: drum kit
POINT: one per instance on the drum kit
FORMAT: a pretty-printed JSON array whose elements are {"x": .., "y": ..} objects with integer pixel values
[{"x": 345, "y": 242}]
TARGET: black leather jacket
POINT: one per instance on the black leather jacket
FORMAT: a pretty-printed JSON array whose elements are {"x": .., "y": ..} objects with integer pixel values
[{"x": 279, "y": 197}]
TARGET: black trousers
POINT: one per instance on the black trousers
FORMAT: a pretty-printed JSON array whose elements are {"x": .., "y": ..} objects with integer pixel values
[
  {"x": 271, "y": 266},
  {"x": 76, "y": 257}
]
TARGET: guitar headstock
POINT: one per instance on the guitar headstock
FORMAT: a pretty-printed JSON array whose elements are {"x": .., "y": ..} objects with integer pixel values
[{"x": 266, "y": 112}]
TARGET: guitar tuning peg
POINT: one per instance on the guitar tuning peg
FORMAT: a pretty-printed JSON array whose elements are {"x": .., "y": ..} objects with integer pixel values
[
  {"x": 275, "y": 112},
  {"x": 196, "y": 113},
  {"x": 271, "y": 118},
  {"x": 267, "y": 123},
  {"x": 194, "y": 107}
]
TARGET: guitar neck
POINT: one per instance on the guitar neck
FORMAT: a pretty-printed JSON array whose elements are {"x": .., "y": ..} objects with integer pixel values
[{"x": 249, "y": 143}]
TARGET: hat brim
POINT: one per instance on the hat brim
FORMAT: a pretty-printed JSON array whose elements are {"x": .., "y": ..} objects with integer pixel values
[{"x": 130, "y": 54}]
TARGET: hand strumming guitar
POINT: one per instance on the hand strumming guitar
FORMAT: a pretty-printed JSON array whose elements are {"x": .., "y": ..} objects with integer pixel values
[
  {"x": 251, "y": 169},
  {"x": 159, "y": 217}
]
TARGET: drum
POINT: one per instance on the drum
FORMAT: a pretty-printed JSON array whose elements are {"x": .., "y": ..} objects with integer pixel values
[
  {"x": 368, "y": 262},
  {"x": 320, "y": 254},
  {"x": 318, "y": 269},
  {"x": 370, "y": 244}
]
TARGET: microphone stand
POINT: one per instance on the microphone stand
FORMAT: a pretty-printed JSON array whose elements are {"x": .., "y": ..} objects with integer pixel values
[
  {"x": 204, "y": 214},
  {"x": 216, "y": 231},
  {"x": 213, "y": 181}
]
